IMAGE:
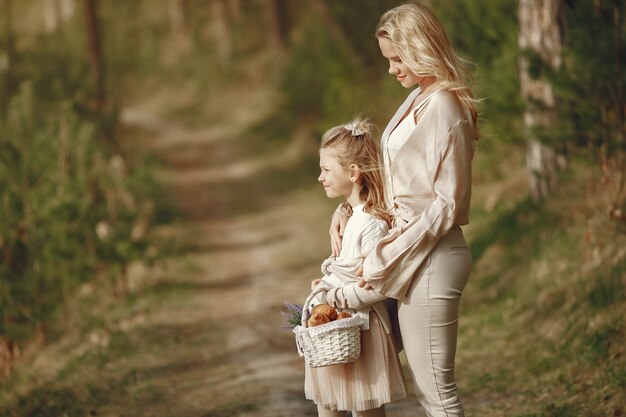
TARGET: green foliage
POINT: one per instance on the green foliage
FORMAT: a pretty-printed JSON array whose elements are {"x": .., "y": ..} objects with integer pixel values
[
  {"x": 318, "y": 77},
  {"x": 608, "y": 287},
  {"x": 546, "y": 299},
  {"x": 46, "y": 402},
  {"x": 359, "y": 29},
  {"x": 67, "y": 211},
  {"x": 485, "y": 33},
  {"x": 331, "y": 76},
  {"x": 72, "y": 210},
  {"x": 590, "y": 86}
]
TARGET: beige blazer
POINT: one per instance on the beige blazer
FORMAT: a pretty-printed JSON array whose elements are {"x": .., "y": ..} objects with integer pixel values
[{"x": 430, "y": 188}]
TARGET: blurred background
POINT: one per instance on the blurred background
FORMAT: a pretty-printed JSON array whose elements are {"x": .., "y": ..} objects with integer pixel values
[{"x": 158, "y": 165}]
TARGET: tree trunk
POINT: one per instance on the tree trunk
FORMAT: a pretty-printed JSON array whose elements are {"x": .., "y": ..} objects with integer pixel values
[
  {"x": 277, "y": 18},
  {"x": 8, "y": 55},
  {"x": 221, "y": 33},
  {"x": 8, "y": 353},
  {"x": 618, "y": 211},
  {"x": 94, "y": 50},
  {"x": 179, "y": 25},
  {"x": 51, "y": 15},
  {"x": 57, "y": 12},
  {"x": 180, "y": 44},
  {"x": 540, "y": 37},
  {"x": 234, "y": 7}
]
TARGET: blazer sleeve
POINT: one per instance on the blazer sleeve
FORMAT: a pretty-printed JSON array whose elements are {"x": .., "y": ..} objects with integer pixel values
[
  {"x": 372, "y": 233},
  {"x": 391, "y": 265}
]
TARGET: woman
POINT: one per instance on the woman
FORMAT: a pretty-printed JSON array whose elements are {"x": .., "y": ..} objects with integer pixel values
[{"x": 427, "y": 148}]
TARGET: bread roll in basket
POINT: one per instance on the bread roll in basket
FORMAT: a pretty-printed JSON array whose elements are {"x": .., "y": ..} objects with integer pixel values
[{"x": 331, "y": 343}]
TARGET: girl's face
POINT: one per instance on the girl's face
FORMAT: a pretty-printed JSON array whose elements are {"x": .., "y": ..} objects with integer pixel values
[
  {"x": 334, "y": 178},
  {"x": 405, "y": 76}
]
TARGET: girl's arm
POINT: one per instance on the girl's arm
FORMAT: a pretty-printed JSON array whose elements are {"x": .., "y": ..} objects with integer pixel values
[{"x": 351, "y": 296}]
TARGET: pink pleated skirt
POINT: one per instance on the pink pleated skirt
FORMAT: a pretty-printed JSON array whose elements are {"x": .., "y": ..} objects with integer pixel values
[{"x": 374, "y": 379}]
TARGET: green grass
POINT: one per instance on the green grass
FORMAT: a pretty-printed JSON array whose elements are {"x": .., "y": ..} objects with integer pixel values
[{"x": 542, "y": 329}]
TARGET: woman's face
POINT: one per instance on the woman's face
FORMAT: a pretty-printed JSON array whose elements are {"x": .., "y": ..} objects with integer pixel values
[{"x": 397, "y": 68}]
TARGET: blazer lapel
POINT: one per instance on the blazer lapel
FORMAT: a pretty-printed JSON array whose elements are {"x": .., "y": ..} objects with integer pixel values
[{"x": 399, "y": 113}]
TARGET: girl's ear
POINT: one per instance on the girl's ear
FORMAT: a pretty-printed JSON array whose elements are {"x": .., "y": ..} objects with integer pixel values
[{"x": 355, "y": 172}]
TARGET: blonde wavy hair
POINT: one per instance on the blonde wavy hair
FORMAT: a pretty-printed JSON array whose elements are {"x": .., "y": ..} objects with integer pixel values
[
  {"x": 353, "y": 143},
  {"x": 422, "y": 44}
]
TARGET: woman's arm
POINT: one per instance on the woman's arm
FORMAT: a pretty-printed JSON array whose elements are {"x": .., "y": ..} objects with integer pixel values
[
  {"x": 390, "y": 266},
  {"x": 337, "y": 226},
  {"x": 353, "y": 295}
]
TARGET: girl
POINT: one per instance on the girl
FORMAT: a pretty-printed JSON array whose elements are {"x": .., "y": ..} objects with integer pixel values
[
  {"x": 351, "y": 168},
  {"x": 427, "y": 150}
]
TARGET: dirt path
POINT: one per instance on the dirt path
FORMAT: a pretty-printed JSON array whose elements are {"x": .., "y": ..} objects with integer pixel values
[
  {"x": 244, "y": 266},
  {"x": 247, "y": 263},
  {"x": 201, "y": 336}
]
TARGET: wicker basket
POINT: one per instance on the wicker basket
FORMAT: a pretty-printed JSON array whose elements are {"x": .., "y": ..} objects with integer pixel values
[{"x": 332, "y": 343}]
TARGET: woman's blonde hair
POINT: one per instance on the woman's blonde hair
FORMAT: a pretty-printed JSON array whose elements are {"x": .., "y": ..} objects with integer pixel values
[
  {"x": 353, "y": 143},
  {"x": 423, "y": 45}
]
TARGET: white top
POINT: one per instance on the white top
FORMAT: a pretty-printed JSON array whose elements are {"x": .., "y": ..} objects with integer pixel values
[
  {"x": 395, "y": 141},
  {"x": 361, "y": 234},
  {"x": 399, "y": 135}
]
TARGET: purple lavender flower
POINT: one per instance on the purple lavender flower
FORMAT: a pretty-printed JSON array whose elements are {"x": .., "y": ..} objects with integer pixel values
[{"x": 293, "y": 315}]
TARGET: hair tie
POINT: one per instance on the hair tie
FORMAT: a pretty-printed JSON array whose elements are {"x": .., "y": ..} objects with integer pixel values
[{"x": 354, "y": 129}]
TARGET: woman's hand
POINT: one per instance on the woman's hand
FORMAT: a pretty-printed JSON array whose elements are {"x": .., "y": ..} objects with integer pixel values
[
  {"x": 364, "y": 284},
  {"x": 359, "y": 273},
  {"x": 337, "y": 226},
  {"x": 315, "y": 283}
]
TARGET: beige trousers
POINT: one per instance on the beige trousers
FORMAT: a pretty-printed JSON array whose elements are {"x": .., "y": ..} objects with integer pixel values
[
  {"x": 428, "y": 318},
  {"x": 376, "y": 412}
]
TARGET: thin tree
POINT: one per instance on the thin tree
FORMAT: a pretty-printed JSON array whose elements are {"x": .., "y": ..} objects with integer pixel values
[
  {"x": 221, "y": 32},
  {"x": 9, "y": 51},
  {"x": 179, "y": 24},
  {"x": 56, "y": 12},
  {"x": 277, "y": 18},
  {"x": 540, "y": 43},
  {"x": 94, "y": 51}
]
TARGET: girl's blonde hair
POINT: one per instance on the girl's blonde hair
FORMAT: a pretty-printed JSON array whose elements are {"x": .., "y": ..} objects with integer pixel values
[
  {"x": 423, "y": 45},
  {"x": 353, "y": 143}
]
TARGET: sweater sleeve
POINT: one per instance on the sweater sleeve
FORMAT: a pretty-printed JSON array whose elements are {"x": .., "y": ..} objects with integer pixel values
[{"x": 351, "y": 296}]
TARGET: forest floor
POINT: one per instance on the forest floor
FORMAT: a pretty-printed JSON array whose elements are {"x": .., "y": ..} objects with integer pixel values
[
  {"x": 206, "y": 337},
  {"x": 201, "y": 333},
  {"x": 253, "y": 242}
]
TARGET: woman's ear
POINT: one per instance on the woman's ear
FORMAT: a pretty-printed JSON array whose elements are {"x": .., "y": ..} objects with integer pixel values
[{"x": 355, "y": 172}]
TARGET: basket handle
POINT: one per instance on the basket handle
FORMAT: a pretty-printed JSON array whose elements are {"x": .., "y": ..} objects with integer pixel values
[{"x": 321, "y": 287}]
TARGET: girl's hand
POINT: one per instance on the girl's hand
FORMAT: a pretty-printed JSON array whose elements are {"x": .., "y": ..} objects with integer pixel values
[
  {"x": 337, "y": 226},
  {"x": 315, "y": 283}
]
